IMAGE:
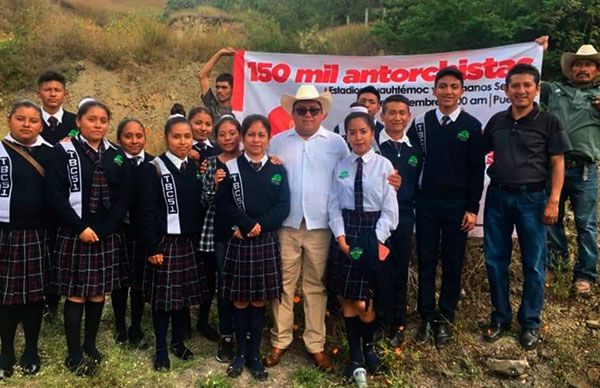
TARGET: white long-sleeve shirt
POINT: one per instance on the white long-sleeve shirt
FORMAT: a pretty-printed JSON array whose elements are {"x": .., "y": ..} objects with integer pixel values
[{"x": 378, "y": 194}]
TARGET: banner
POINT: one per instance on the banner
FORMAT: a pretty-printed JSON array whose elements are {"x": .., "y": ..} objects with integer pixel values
[{"x": 262, "y": 78}]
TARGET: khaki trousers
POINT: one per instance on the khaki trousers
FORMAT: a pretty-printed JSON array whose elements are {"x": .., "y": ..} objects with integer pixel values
[{"x": 306, "y": 250}]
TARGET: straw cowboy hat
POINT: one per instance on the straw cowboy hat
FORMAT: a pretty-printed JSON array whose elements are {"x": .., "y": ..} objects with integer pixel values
[
  {"x": 307, "y": 92},
  {"x": 586, "y": 51}
]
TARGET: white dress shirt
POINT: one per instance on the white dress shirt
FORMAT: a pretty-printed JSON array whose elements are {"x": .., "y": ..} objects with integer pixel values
[
  {"x": 107, "y": 144},
  {"x": 378, "y": 194},
  {"x": 59, "y": 115},
  {"x": 175, "y": 160},
  {"x": 384, "y": 136},
  {"x": 141, "y": 155},
  {"x": 453, "y": 115},
  {"x": 262, "y": 161},
  {"x": 309, "y": 164},
  {"x": 38, "y": 141}
]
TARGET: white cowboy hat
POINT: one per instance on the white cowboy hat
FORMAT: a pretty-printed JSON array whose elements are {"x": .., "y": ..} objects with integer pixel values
[
  {"x": 586, "y": 51},
  {"x": 307, "y": 92}
]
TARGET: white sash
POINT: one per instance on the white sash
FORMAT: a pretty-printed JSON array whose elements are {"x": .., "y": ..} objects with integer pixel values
[
  {"x": 5, "y": 184},
  {"x": 422, "y": 134},
  {"x": 236, "y": 180},
  {"x": 74, "y": 174},
  {"x": 170, "y": 194}
]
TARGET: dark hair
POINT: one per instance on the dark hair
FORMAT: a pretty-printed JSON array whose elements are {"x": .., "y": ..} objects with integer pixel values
[
  {"x": 123, "y": 124},
  {"x": 24, "y": 104},
  {"x": 198, "y": 109},
  {"x": 359, "y": 115},
  {"x": 249, "y": 120},
  {"x": 52, "y": 75},
  {"x": 369, "y": 89},
  {"x": 228, "y": 119},
  {"x": 177, "y": 109},
  {"x": 175, "y": 120},
  {"x": 395, "y": 98},
  {"x": 84, "y": 108},
  {"x": 452, "y": 72},
  {"x": 225, "y": 77},
  {"x": 523, "y": 68}
]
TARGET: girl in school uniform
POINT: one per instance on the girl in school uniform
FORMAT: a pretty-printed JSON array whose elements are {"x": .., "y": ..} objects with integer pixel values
[
  {"x": 361, "y": 200},
  {"x": 170, "y": 215},
  {"x": 213, "y": 238},
  {"x": 24, "y": 237},
  {"x": 131, "y": 136},
  {"x": 89, "y": 189},
  {"x": 202, "y": 127},
  {"x": 254, "y": 199}
]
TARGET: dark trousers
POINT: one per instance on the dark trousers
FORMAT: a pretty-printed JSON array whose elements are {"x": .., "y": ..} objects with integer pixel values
[
  {"x": 438, "y": 223},
  {"x": 400, "y": 244}
]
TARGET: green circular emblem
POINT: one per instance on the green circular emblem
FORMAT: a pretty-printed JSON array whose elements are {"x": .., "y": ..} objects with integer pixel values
[
  {"x": 276, "y": 179},
  {"x": 356, "y": 253},
  {"x": 413, "y": 161},
  {"x": 118, "y": 160},
  {"x": 73, "y": 133},
  {"x": 463, "y": 135},
  {"x": 344, "y": 174}
]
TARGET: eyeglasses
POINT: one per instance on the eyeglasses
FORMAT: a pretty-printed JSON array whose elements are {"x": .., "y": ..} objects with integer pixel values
[{"x": 303, "y": 111}]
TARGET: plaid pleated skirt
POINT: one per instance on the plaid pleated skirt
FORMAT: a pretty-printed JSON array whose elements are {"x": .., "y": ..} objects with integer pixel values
[
  {"x": 24, "y": 265},
  {"x": 252, "y": 269},
  {"x": 180, "y": 281},
  {"x": 133, "y": 259},
  {"x": 87, "y": 269},
  {"x": 343, "y": 277}
]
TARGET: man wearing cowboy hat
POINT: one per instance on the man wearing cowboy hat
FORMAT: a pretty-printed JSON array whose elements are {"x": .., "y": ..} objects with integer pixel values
[{"x": 577, "y": 104}]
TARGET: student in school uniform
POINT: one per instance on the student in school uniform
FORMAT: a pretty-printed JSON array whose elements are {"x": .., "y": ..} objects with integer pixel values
[
  {"x": 52, "y": 91},
  {"x": 254, "y": 199},
  {"x": 362, "y": 206},
  {"x": 214, "y": 235},
  {"x": 131, "y": 135},
  {"x": 24, "y": 236},
  {"x": 89, "y": 188},
  {"x": 170, "y": 214},
  {"x": 370, "y": 98},
  {"x": 202, "y": 127}
]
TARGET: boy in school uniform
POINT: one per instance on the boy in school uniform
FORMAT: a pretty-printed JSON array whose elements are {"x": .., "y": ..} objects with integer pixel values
[
  {"x": 52, "y": 91},
  {"x": 370, "y": 98}
]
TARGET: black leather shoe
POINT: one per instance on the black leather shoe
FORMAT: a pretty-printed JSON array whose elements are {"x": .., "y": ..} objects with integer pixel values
[
  {"x": 162, "y": 362},
  {"x": 208, "y": 332},
  {"x": 236, "y": 367},
  {"x": 225, "y": 349},
  {"x": 529, "y": 338},
  {"x": 424, "y": 333},
  {"x": 397, "y": 337},
  {"x": 182, "y": 352},
  {"x": 257, "y": 369},
  {"x": 441, "y": 334},
  {"x": 5, "y": 373},
  {"x": 93, "y": 354},
  {"x": 494, "y": 331},
  {"x": 31, "y": 369},
  {"x": 83, "y": 367},
  {"x": 136, "y": 339},
  {"x": 120, "y": 337}
]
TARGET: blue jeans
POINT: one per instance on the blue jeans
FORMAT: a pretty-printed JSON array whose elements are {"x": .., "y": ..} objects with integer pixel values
[
  {"x": 583, "y": 194},
  {"x": 503, "y": 212}
]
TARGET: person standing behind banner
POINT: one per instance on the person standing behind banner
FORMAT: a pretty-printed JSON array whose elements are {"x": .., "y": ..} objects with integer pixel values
[
  {"x": 447, "y": 201},
  {"x": 131, "y": 135},
  {"x": 89, "y": 188},
  {"x": 219, "y": 102},
  {"x": 362, "y": 206},
  {"x": 255, "y": 199},
  {"x": 170, "y": 213},
  {"x": 406, "y": 157},
  {"x": 529, "y": 147},
  {"x": 24, "y": 236}
]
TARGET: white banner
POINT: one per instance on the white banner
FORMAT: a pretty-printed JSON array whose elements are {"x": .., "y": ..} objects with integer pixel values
[{"x": 262, "y": 78}]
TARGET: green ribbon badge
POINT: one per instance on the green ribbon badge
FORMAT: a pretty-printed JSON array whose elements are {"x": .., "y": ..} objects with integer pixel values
[
  {"x": 463, "y": 135},
  {"x": 118, "y": 160},
  {"x": 73, "y": 133},
  {"x": 413, "y": 161},
  {"x": 356, "y": 253},
  {"x": 198, "y": 175},
  {"x": 344, "y": 174},
  {"x": 276, "y": 179}
]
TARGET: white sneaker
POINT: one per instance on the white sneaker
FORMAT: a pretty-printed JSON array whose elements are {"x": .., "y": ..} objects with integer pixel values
[{"x": 360, "y": 377}]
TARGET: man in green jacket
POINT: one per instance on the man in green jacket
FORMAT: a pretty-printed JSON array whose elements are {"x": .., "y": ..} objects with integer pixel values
[{"x": 577, "y": 105}]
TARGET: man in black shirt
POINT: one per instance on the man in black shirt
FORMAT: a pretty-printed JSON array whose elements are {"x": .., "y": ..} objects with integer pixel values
[{"x": 529, "y": 147}]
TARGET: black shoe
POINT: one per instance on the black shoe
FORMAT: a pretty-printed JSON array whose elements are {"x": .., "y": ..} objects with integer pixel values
[
  {"x": 5, "y": 373},
  {"x": 396, "y": 338},
  {"x": 225, "y": 350},
  {"x": 236, "y": 367},
  {"x": 424, "y": 333},
  {"x": 182, "y": 352},
  {"x": 529, "y": 338},
  {"x": 120, "y": 337},
  {"x": 494, "y": 331},
  {"x": 372, "y": 361},
  {"x": 51, "y": 314},
  {"x": 93, "y": 354},
  {"x": 441, "y": 334},
  {"x": 209, "y": 332},
  {"x": 257, "y": 369},
  {"x": 350, "y": 368},
  {"x": 31, "y": 369},
  {"x": 162, "y": 362},
  {"x": 82, "y": 367},
  {"x": 136, "y": 339}
]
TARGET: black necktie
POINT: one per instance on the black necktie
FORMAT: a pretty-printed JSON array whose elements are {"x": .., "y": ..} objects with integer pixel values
[
  {"x": 53, "y": 122},
  {"x": 183, "y": 166},
  {"x": 358, "y": 187},
  {"x": 396, "y": 145},
  {"x": 135, "y": 160},
  {"x": 445, "y": 120},
  {"x": 256, "y": 165}
]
